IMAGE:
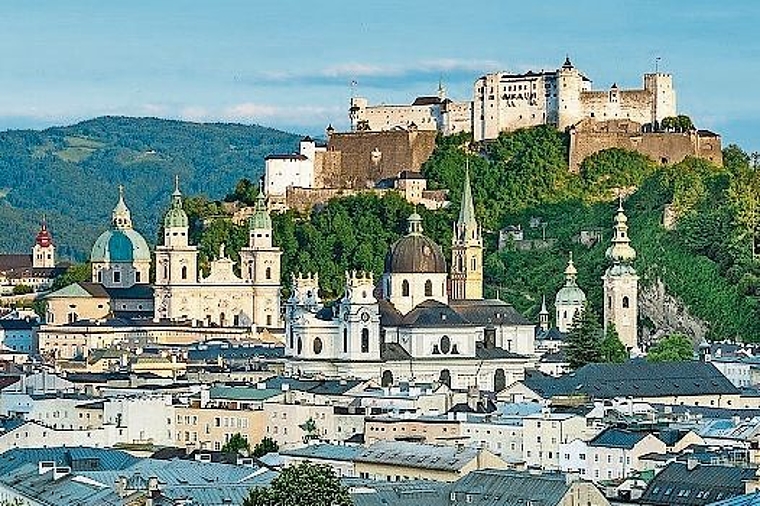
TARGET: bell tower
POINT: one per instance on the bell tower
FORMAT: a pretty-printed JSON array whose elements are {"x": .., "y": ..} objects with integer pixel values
[
  {"x": 467, "y": 250},
  {"x": 43, "y": 251},
  {"x": 621, "y": 284},
  {"x": 360, "y": 319},
  {"x": 260, "y": 266}
]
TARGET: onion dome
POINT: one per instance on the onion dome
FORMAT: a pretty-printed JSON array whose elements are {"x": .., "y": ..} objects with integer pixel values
[
  {"x": 570, "y": 294},
  {"x": 43, "y": 239},
  {"x": 176, "y": 217},
  {"x": 415, "y": 252},
  {"x": 122, "y": 243},
  {"x": 621, "y": 252},
  {"x": 260, "y": 218}
]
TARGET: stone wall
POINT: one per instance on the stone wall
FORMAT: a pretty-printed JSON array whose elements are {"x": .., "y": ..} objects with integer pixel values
[
  {"x": 303, "y": 199},
  {"x": 361, "y": 159},
  {"x": 589, "y": 137}
]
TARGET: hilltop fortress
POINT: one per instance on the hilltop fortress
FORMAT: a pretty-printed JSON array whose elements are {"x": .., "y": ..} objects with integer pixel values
[
  {"x": 388, "y": 144},
  {"x": 503, "y": 102}
]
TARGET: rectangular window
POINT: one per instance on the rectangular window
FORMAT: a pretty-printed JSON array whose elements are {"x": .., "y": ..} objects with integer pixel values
[{"x": 116, "y": 276}]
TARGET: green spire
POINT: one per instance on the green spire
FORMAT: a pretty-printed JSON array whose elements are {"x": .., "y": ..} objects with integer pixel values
[
  {"x": 260, "y": 218},
  {"x": 121, "y": 218},
  {"x": 467, "y": 209},
  {"x": 176, "y": 216},
  {"x": 621, "y": 251}
]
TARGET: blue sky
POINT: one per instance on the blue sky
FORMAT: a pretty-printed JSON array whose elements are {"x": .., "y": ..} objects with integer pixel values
[{"x": 289, "y": 63}]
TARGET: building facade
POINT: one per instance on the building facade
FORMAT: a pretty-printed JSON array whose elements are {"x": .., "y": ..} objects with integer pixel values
[{"x": 223, "y": 298}]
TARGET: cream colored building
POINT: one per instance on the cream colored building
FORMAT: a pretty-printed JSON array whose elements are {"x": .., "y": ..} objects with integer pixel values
[
  {"x": 223, "y": 298},
  {"x": 543, "y": 435},
  {"x": 563, "y": 97},
  {"x": 210, "y": 428}
]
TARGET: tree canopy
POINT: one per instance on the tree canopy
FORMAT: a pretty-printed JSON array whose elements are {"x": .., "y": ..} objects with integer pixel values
[
  {"x": 672, "y": 348},
  {"x": 584, "y": 339},
  {"x": 303, "y": 484},
  {"x": 236, "y": 444}
]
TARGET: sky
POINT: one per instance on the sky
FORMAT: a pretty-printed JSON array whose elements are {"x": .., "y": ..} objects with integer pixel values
[{"x": 289, "y": 64}]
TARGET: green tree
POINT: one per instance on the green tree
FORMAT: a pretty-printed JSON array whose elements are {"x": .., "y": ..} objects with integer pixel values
[
  {"x": 585, "y": 338},
  {"x": 672, "y": 348},
  {"x": 310, "y": 429},
  {"x": 304, "y": 484},
  {"x": 74, "y": 274},
  {"x": 22, "y": 289},
  {"x": 236, "y": 444},
  {"x": 612, "y": 349},
  {"x": 245, "y": 192},
  {"x": 266, "y": 445}
]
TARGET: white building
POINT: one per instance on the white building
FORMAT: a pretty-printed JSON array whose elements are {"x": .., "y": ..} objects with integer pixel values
[
  {"x": 222, "y": 298},
  {"x": 294, "y": 169},
  {"x": 408, "y": 328},
  {"x": 563, "y": 97},
  {"x": 544, "y": 433},
  {"x": 614, "y": 454}
]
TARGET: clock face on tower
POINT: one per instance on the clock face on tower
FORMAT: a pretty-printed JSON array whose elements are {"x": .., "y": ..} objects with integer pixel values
[
  {"x": 365, "y": 317},
  {"x": 346, "y": 315}
]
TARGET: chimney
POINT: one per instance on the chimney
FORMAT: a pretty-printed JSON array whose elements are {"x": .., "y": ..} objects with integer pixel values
[
  {"x": 44, "y": 466},
  {"x": 473, "y": 397}
]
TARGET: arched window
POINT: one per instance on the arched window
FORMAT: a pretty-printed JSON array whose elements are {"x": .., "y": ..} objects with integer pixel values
[
  {"x": 365, "y": 340},
  {"x": 499, "y": 380},
  {"x": 166, "y": 271},
  {"x": 222, "y": 319},
  {"x": 269, "y": 273},
  {"x": 474, "y": 263},
  {"x": 445, "y": 378},
  {"x": 405, "y": 288},
  {"x": 345, "y": 340},
  {"x": 428, "y": 288},
  {"x": 184, "y": 272},
  {"x": 292, "y": 343},
  {"x": 387, "y": 287},
  {"x": 460, "y": 263},
  {"x": 626, "y": 302},
  {"x": 317, "y": 346},
  {"x": 387, "y": 378},
  {"x": 300, "y": 345}
]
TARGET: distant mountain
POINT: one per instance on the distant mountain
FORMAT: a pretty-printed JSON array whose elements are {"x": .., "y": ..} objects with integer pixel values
[{"x": 71, "y": 174}]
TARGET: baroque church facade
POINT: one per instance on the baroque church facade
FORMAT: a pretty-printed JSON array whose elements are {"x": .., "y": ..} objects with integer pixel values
[
  {"x": 222, "y": 298},
  {"x": 421, "y": 323}
]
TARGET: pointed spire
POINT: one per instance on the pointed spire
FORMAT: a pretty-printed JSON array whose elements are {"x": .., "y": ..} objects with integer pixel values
[
  {"x": 121, "y": 218},
  {"x": 570, "y": 272},
  {"x": 176, "y": 216},
  {"x": 176, "y": 186},
  {"x": 467, "y": 208},
  {"x": 260, "y": 219},
  {"x": 621, "y": 251},
  {"x": 543, "y": 306}
]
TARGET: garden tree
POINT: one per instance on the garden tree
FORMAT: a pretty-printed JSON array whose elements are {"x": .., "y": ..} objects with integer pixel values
[
  {"x": 310, "y": 429},
  {"x": 22, "y": 289},
  {"x": 303, "y": 484},
  {"x": 672, "y": 348},
  {"x": 266, "y": 445},
  {"x": 74, "y": 274},
  {"x": 680, "y": 123},
  {"x": 584, "y": 339},
  {"x": 614, "y": 168},
  {"x": 236, "y": 444},
  {"x": 611, "y": 348},
  {"x": 245, "y": 192}
]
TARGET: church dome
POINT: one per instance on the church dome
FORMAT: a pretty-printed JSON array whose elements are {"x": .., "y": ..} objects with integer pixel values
[
  {"x": 120, "y": 246},
  {"x": 122, "y": 243},
  {"x": 415, "y": 253},
  {"x": 570, "y": 295}
]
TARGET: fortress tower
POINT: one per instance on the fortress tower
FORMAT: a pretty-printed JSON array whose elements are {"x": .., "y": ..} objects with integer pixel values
[
  {"x": 621, "y": 284},
  {"x": 663, "y": 95},
  {"x": 467, "y": 250},
  {"x": 569, "y": 87}
]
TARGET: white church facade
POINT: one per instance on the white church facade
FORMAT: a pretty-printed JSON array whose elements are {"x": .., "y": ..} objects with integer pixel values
[{"x": 409, "y": 327}]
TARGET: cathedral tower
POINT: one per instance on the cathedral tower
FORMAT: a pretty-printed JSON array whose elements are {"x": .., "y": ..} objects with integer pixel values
[
  {"x": 570, "y": 298},
  {"x": 260, "y": 265},
  {"x": 621, "y": 284},
  {"x": 43, "y": 251},
  {"x": 466, "y": 250},
  {"x": 360, "y": 319},
  {"x": 176, "y": 262}
]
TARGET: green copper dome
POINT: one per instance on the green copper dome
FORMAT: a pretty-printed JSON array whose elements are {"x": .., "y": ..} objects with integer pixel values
[
  {"x": 176, "y": 216},
  {"x": 260, "y": 218},
  {"x": 121, "y": 244}
]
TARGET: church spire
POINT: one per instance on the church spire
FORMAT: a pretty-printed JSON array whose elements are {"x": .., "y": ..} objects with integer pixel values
[
  {"x": 621, "y": 252},
  {"x": 176, "y": 216},
  {"x": 260, "y": 219},
  {"x": 571, "y": 273},
  {"x": 121, "y": 218},
  {"x": 467, "y": 208}
]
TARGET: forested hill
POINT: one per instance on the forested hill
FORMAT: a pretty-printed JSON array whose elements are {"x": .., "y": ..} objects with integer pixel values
[{"x": 71, "y": 173}]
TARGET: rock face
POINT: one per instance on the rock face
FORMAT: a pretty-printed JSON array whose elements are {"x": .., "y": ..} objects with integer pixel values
[{"x": 665, "y": 314}]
